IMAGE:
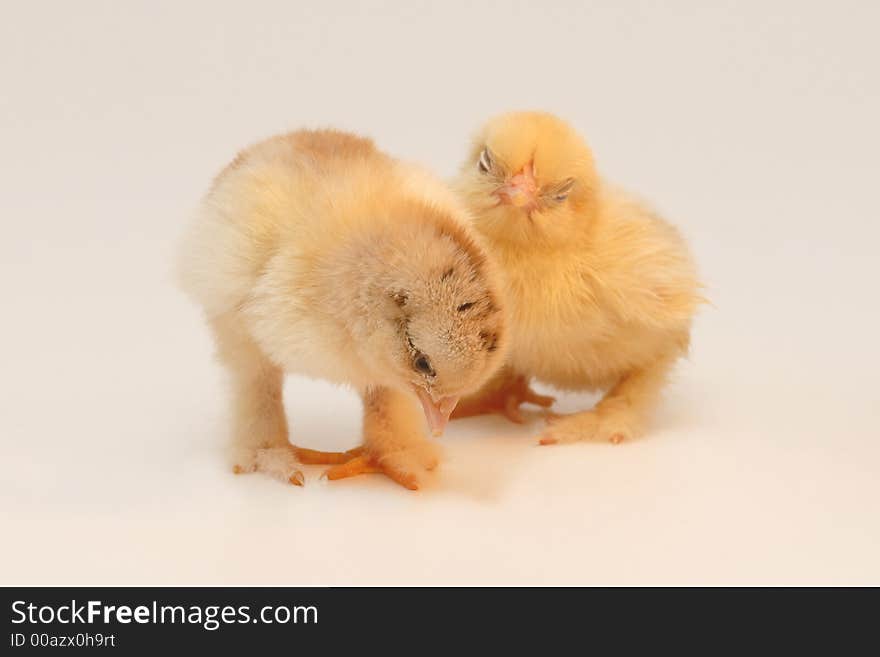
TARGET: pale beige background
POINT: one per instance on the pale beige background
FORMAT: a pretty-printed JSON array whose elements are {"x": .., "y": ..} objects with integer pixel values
[{"x": 754, "y": 125}]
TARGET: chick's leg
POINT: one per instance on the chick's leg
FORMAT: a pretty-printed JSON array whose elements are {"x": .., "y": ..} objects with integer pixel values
[
  {"x": 259, "y": 430},
  {"x": 394, "y": 441},
  {"x": 503, "y": 394},
  {"x": 621, "y": 413}
]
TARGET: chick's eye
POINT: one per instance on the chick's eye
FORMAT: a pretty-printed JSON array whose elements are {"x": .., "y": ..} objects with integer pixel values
[
  {"x": 563, "y": 192},
  {"x": 485, "y": 162},
  {"x": 423, "y": 365}
]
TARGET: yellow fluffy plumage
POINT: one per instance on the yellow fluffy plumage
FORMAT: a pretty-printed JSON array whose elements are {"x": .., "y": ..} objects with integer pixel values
[
  {"x": 601, "y": 291},
  {"x": 317, "y": 254}
]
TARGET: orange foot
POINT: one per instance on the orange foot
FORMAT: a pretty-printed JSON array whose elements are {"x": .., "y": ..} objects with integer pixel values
[
  {"x": 588, "y": 425},
  {"x": 357, "y": 462},
  {"x": 505, "y": 400}
]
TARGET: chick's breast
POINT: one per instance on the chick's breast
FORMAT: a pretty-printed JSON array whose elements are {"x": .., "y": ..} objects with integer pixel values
[{"x": 582, "y": 315}]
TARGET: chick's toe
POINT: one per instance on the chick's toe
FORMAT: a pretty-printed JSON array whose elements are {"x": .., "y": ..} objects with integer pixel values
[
  {"x": 587, "y": 426},
  {"x": 505, "y": 400},
  {"x": 401, "y": 466},
  {"x": 278, "y": 462}
]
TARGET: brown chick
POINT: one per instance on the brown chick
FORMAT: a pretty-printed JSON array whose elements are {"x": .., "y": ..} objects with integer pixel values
[
  {"x": 317, "y": 254},
  {"x": 600, "y": 290}
]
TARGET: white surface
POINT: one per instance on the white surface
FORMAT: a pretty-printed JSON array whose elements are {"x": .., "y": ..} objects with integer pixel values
[{"x": 752, "y": 125}]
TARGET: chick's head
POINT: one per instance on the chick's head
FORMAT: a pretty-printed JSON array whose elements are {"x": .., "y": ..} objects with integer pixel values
[
  {"x": 442, "y": 333},
  {"x": 529, "y": 178}
]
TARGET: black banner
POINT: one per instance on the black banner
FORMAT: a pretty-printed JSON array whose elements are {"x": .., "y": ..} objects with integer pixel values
[{"x": 395, "y": 620}]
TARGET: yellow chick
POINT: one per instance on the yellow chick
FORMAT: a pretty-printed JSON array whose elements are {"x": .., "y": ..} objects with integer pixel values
[
  {"x": 600, "y": 290},
  {"x": 315, "y": 253}
]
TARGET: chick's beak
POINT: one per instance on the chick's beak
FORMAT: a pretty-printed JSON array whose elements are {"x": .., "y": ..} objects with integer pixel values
[
  {"x": 519, "y": 191},
  {"x": 436, "y": 412}
]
